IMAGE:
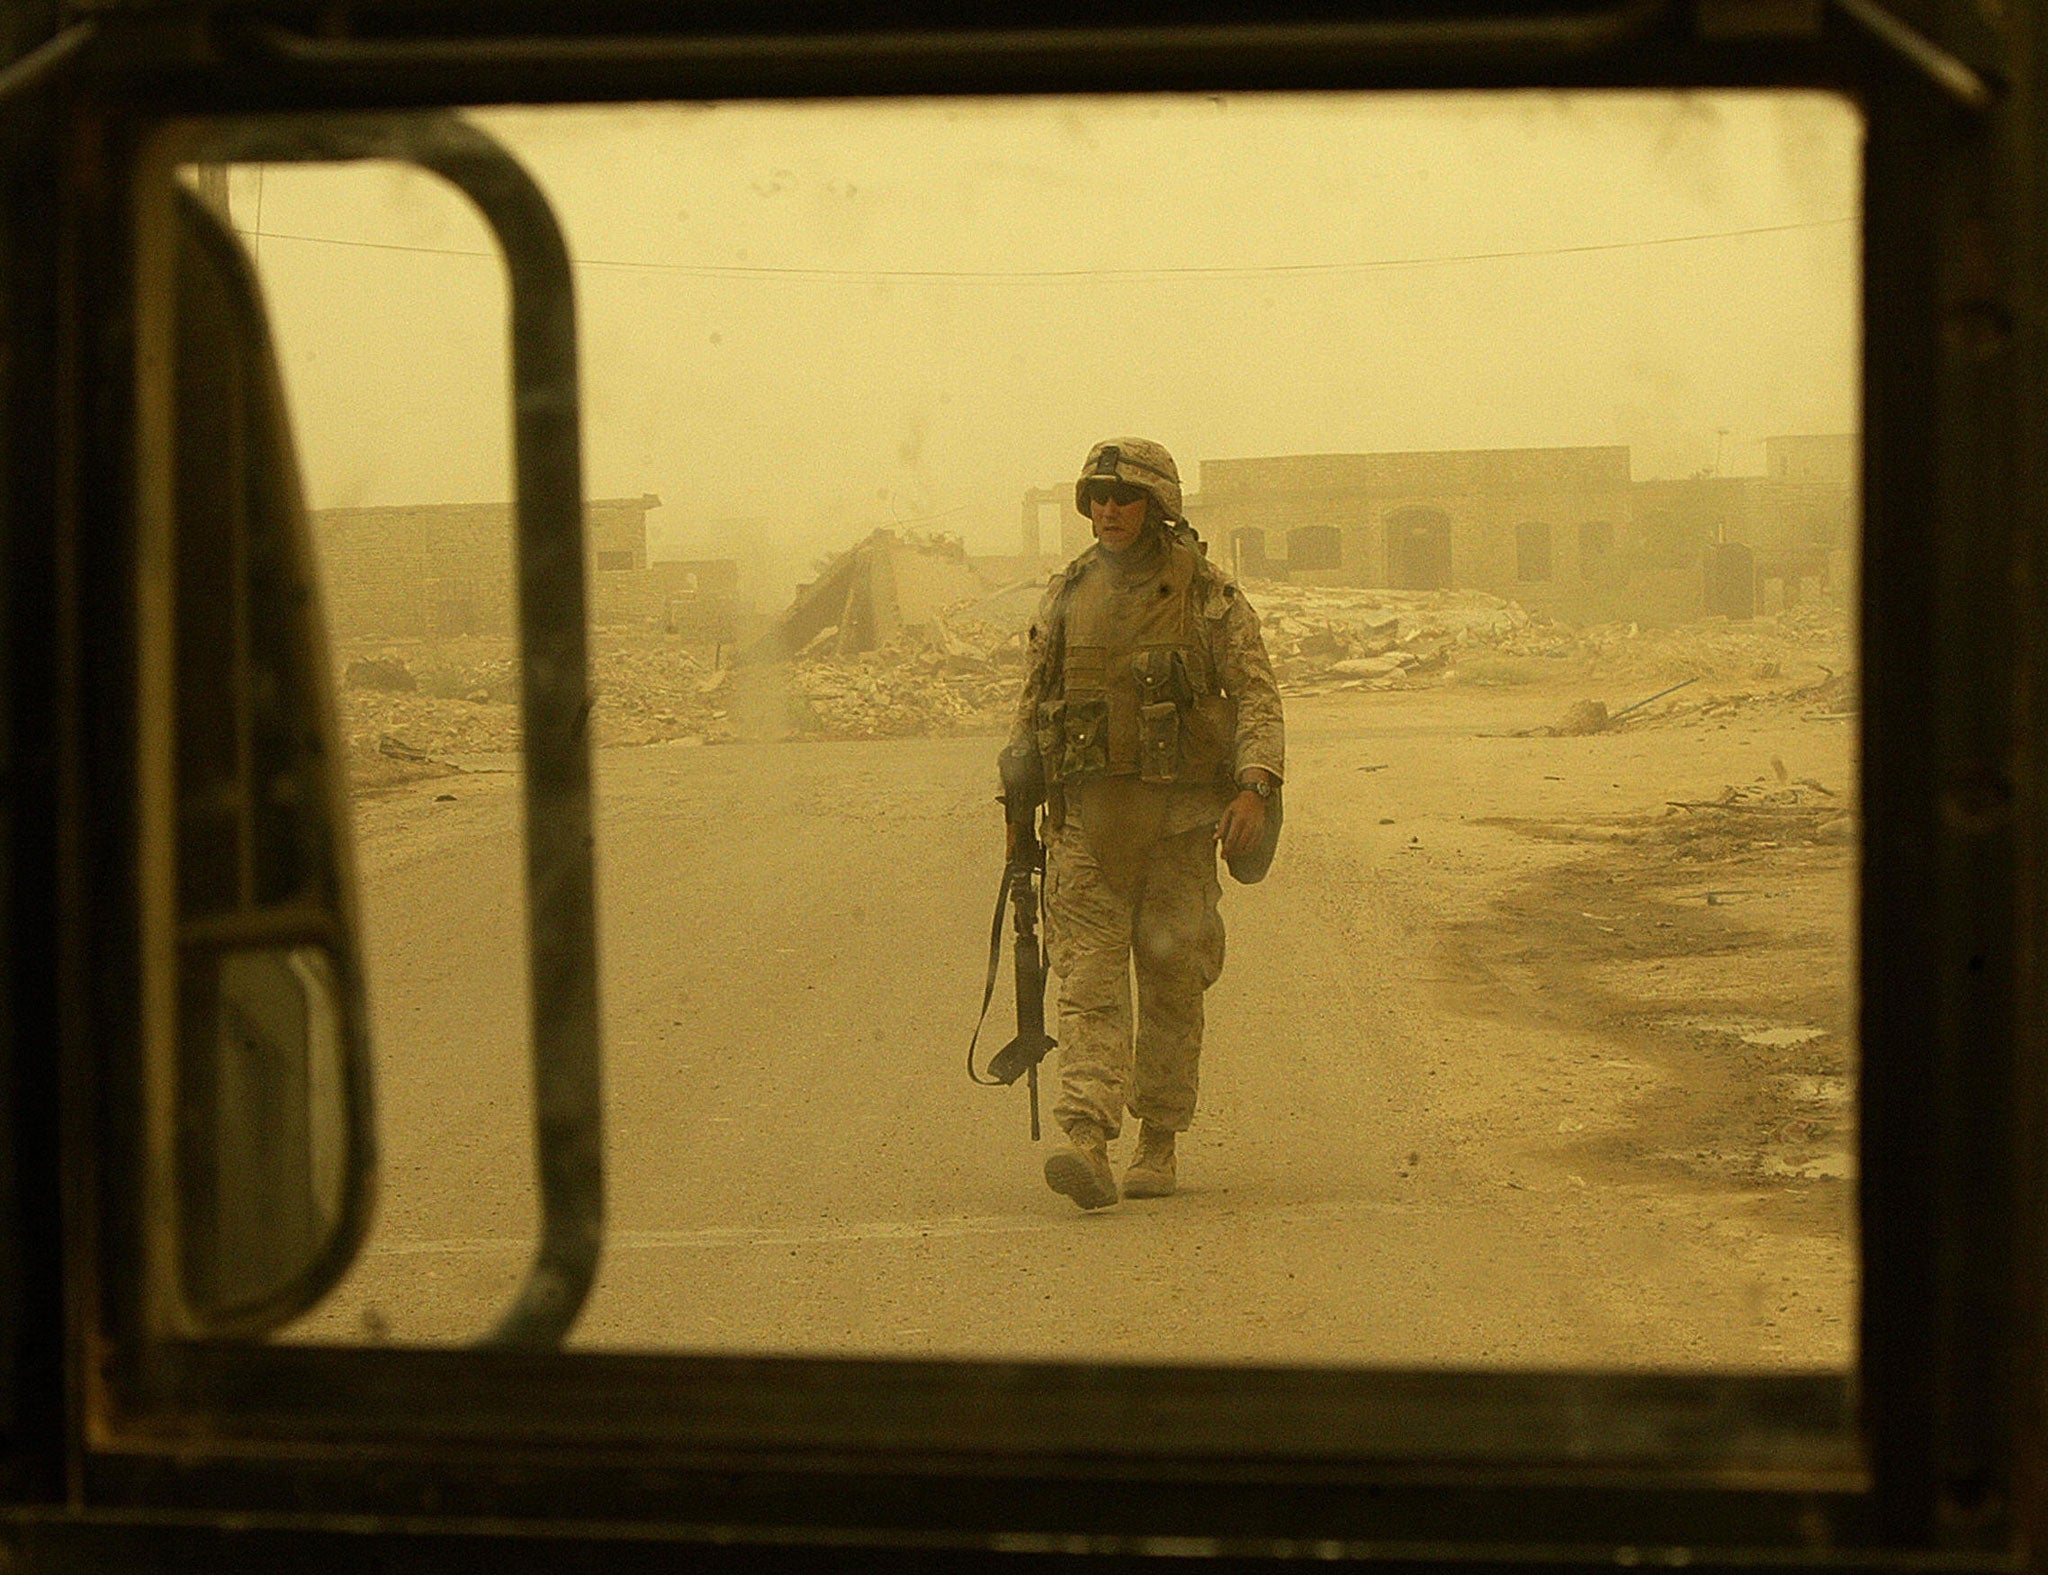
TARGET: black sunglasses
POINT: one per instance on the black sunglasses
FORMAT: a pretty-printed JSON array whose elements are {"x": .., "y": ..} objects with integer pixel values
[{"x": 1113, "y": 492}]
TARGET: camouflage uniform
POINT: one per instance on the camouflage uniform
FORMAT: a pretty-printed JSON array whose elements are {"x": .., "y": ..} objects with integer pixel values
[{"x": 1147, "y": 691}]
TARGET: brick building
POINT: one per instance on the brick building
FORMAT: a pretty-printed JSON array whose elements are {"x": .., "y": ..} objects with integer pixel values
[
  {"x": 1545, "y": 525},
  {"x": 441, "y": 570},
  {"x": 1564, "y": 530}
]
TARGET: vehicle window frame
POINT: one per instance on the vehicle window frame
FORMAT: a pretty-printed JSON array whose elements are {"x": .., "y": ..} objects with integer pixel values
[{"x": 1917, "y": 1447}]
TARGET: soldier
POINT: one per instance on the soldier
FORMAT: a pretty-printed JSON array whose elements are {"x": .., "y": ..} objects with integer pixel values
[{"x": 1150, "y": 702}]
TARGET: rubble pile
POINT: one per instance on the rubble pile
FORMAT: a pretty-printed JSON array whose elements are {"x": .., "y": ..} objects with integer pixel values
[
  {"x": 414, "y": 708},
  {"x": 649, "y": 693},
  {"x": 949, "y": 676},
  {"x": 404, "y": 713},
  {"x": 1759, "y": 815},
  {"x": 413, "y": 712},
  {"x": 1792, "y": 649},
  {"x": 1323, "y": 638}
]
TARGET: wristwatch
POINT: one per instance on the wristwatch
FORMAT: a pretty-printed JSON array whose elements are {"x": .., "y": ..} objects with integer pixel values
[{"x": 1263, "y": 786}]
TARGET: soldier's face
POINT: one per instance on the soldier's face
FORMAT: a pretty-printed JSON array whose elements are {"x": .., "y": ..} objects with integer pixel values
[{"x": 1116, "y": 524}]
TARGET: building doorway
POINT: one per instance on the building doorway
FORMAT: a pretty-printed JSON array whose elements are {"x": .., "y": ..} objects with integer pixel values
[
  {"x": 1532, "y": 552},
  {"x": 1419, "y": 550},
  {"x": 1248, "y": 553}
]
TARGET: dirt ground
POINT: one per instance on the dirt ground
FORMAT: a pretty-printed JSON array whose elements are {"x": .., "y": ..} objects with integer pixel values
[
  {"x": 1537, "y": 1047},
  {"x": 1662, "y": 920}
]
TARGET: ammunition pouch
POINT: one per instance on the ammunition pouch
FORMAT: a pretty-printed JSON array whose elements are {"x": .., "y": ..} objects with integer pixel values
[
  {"x": 1162, "y": 675},
  {"x": 1164, "y": 693},
  {"x": 1159, "y": 741},
  {"x": 1073, "y": 738}
]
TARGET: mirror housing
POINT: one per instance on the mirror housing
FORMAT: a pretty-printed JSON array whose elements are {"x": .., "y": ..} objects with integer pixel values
[{"x": 270, "y": 1158}]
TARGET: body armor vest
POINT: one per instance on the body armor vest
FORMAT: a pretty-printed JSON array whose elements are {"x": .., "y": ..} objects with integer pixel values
[{"x": 1134, "y": 691}]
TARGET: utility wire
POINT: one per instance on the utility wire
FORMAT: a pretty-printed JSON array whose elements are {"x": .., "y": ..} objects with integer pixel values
[{"x": 1074, "y": 275}]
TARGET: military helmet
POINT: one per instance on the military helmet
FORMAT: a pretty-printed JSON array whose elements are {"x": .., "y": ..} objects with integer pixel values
[{"x": 1138, "y": 462}]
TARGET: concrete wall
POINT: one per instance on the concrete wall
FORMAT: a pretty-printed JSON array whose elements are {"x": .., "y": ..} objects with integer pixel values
[
  {"x": 1384, "y": 513},
  {"x": 871, "y": 592},
  {"x": 929, "y": 579},
  {"x": 1482, "y": 520},
  {"x": 441, "y": 570}
]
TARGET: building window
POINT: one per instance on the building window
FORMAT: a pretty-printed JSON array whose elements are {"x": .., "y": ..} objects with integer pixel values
[
  {"x": 1419, "y": 550},
  {"x": 1315, "y": 547},
  {"x": 1532, "y": 552}
]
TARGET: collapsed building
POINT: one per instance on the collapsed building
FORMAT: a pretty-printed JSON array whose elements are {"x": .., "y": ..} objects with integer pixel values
[{"x": 867, "y": 596}]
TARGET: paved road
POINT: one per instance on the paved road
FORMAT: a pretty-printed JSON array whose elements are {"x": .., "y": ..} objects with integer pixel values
[{"x": 793, "y": 940}]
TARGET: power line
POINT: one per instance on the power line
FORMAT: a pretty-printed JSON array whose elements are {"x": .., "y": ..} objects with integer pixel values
[{"x": 1074, "y": 275}]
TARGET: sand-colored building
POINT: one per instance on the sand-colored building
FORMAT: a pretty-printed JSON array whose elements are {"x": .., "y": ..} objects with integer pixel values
[
  {"x": 1567, "y": 531},
  {"x": 442, "y": 570}
]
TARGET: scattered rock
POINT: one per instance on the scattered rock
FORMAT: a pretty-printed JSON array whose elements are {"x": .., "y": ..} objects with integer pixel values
[
  {"x": 647, "y": 688},
  {"x": 387, "y": 674},
  {"x": 399, "y": 749},
  {"x": 1586, "y": 716},
  {"x": 952, "y": 675},
  {"x": 1372, "y": 666}
]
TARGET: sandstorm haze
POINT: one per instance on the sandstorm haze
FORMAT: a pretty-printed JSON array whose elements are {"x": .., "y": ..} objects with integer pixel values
[
  {"x": 829, "y": 317},
  {"x": 1538, "y": 1046}
]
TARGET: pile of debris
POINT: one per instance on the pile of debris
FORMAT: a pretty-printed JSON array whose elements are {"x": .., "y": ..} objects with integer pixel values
[
  {"x": 1800, "y": 645},
  {"x": 415, "y": 709},
  {"x": 1323, "y": 638},
  {"x": 649, "y": 691},
  {"x": 935, "y": 678},
  {"x": 958, "y": 672},
  {"x": 405, "y": 715},
  {"x": 1759, "y": 815}
]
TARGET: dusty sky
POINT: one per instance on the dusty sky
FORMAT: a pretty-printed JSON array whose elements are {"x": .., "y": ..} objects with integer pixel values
[{"x": 832, "y": 317}]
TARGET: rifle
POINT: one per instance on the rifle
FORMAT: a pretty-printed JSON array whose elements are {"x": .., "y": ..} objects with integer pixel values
[{"x": 1023, "y": 881}]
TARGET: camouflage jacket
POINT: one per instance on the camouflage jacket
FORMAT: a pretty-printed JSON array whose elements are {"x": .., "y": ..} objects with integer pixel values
[{"x": 1237, "y": 655}]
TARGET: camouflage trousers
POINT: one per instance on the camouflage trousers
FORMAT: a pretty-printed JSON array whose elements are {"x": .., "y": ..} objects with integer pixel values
[{"x": 1162, "y": 915}]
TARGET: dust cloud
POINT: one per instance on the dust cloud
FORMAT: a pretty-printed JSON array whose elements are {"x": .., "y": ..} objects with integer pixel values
[
  {"x": 818, "y": 319},
  {"x": 1527, "y": 422}
]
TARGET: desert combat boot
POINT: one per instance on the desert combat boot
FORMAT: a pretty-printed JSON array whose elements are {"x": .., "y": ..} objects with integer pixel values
[
  {"x": 1081, "y": 1170},
  {"x": 1151, "y": 1172}
]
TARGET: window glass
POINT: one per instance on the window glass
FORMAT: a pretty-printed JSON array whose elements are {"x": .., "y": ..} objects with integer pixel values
[{"x": 1536, "y": 1046}]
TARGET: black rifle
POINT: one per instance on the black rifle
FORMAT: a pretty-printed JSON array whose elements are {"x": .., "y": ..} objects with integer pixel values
[{"x": 1023, "y": 878}]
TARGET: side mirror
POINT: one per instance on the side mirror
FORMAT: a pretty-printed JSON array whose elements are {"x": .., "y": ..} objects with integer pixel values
[
  {"x": 259, "y": 1141},
  {"x": 270, "y": 1152}
]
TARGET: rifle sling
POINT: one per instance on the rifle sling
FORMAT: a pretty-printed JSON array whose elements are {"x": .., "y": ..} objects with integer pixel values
[{"x": 988, "y": 989}]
